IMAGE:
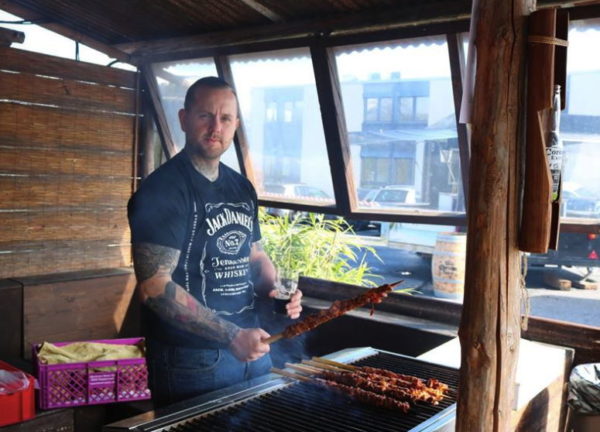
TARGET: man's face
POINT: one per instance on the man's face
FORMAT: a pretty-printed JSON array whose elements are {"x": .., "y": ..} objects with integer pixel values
[{"x": 210, "y": 123}]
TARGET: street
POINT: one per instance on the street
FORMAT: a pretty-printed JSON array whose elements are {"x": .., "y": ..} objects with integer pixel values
[{"x": 575, "y": 305}]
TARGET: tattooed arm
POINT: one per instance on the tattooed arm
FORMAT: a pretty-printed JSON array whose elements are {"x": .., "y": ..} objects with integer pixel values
[{"x": 154, "y": 266}]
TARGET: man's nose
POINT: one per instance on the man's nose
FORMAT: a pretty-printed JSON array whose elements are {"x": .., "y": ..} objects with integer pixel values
[{"x": 216, "y": 124}]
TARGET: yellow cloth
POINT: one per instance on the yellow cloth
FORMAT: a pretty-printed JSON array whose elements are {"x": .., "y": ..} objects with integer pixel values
[{"x": 78, "y": 352}]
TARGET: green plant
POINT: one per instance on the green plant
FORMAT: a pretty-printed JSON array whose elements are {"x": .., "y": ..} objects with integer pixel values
[{"x": 315, "y": 247}]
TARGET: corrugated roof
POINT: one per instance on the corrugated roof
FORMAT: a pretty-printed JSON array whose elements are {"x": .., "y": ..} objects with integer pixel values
[{"x": 120, "y": 23}]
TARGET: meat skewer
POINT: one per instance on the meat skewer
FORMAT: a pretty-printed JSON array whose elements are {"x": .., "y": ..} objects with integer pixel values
[
  {"x": 408, "y": 391},
  {"x": 338, "y": 308},
  {"x": 356, "y": 393},
  {"x": 432, "y": 386}
]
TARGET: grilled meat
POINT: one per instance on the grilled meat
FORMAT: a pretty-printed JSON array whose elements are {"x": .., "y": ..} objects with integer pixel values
[{"x": 339, "y": 307}]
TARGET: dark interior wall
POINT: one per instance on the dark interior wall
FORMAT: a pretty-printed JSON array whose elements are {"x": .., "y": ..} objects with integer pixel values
[{"x": 349, "y": 331}]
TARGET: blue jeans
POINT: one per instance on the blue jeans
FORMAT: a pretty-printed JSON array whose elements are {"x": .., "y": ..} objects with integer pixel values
[{"x": 178, "y": 373}]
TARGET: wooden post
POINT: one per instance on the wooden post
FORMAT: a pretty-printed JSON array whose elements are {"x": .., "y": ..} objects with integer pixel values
[{"x": 489, "y": 331}]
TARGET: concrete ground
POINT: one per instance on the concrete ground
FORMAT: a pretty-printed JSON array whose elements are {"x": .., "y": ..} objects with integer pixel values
[{"x": 576, "y": 305}]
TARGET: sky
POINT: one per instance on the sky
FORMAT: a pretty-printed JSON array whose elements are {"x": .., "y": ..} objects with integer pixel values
[{"x": 47, "y": 42}]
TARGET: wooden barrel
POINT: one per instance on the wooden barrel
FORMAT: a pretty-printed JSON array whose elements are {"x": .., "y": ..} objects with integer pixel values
[{"x": 448, "y": 265}]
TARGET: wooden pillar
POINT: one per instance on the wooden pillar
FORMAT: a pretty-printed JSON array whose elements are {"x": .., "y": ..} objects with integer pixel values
[{"x": 489, "y": 330}]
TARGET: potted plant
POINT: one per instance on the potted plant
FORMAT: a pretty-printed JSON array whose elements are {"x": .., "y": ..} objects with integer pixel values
[{"x": 316, "y": 247}]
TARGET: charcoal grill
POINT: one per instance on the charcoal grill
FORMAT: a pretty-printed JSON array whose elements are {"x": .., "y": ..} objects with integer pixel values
[{"x": 272, "y": 403}]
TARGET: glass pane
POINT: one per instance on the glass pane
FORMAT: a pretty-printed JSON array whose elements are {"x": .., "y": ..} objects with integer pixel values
[
  {"x": 174, "y": 78},
  {"x": 372, "y": 109},
  {"x": 580, "y": 123},
  {"x": 287, "y": 145},
  {"x": 401, "y": 126},
  {"x": 385, "y": 110}
]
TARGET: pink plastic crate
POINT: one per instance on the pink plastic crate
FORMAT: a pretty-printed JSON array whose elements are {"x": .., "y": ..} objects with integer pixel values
[{"x": 74, "y": 384}]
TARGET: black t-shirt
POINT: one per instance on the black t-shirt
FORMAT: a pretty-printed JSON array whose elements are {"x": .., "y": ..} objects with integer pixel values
[{"x": 213, "y": 225}]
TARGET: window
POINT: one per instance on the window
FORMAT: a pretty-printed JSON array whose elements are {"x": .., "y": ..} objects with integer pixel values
[
  {"x": 174, "y": 78},
  {"x": 282, "y": 119},
  {"x": 372, "y": 111},
  {"x": 385, "y": 109},
  {"x": 41, "y": 40},
  {"x": 580, "y": 124},
  {"x": 405, "y": 109},
  {"x": 407, "y": 130}
]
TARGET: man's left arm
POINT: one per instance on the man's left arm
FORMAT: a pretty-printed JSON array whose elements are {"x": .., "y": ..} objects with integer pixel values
[{"x": 264, "y": 276}]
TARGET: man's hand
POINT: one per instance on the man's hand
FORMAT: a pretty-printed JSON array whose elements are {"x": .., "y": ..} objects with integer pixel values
[
  {"x": 248, "y": 345},
  {"x": 294, "y": 306}
]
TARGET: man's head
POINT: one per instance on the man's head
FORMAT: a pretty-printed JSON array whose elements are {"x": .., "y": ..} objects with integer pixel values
[{"x": 209, "y": 117}]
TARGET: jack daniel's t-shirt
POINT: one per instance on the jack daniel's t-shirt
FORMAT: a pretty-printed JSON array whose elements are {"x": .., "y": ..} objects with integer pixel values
[{"x": 213, "y": 225}]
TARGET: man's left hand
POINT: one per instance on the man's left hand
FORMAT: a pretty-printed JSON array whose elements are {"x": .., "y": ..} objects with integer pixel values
[{"x": 293, "y": 306}]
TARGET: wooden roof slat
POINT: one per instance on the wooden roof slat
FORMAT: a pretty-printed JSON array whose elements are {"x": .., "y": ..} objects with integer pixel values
[
  {"x": 9, "y": 36},
  {"x": 388, "y": 18},
  {"x": 31, "y": 62},
  {"x": 263, "y": 10}
]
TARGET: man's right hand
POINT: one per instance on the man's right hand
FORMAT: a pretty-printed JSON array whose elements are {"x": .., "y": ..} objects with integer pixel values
[{"x": 248, "y": 345}]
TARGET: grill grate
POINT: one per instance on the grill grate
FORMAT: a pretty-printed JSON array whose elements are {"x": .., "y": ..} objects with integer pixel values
[{"x": 305, "y": 407}]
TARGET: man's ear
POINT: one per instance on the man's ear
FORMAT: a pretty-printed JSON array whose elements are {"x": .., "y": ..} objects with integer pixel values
[{"x": 182, "y": 114}]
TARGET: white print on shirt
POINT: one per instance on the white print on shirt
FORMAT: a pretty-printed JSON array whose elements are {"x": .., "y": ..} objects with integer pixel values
[
  {"x": 230, "y": 275},
  {"x": 231, "y": 242},
  {"x": 227, "y": 217}
]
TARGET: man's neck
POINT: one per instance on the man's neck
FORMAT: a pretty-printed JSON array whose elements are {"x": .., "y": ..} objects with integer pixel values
[{"x": 209, "y": 168}]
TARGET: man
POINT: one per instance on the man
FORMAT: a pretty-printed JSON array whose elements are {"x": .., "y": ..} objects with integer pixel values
[{"x": 198, "y": 259}]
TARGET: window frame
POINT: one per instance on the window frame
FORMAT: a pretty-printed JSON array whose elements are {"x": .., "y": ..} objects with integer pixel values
[{"x": 328, "y": 88}]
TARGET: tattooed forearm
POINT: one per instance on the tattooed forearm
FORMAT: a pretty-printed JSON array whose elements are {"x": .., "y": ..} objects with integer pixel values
[
  {"x": 150, "y": 259},
  {"x": 153, "y": 268},
  {"x": 184, "y": 311}
]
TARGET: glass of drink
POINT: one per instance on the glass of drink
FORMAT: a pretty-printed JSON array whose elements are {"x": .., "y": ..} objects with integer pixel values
[{"x": 285, "y": 286}]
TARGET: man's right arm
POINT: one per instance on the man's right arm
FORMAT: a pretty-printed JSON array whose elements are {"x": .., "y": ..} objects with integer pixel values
[{"x": 154, "y": 265}]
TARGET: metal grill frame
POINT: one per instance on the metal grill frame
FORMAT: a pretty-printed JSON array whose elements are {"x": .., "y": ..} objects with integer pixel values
[{"x": 163, "y": 420}]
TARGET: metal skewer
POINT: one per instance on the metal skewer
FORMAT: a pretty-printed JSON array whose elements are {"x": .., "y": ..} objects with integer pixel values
[{"x": 278, "y": 336}]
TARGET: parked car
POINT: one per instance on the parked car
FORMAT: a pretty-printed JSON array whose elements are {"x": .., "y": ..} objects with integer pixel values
[
  {"x": 580, "y": 202},
  {"x": 293, "y": 190},
  {"x": 390, "y": 196}
]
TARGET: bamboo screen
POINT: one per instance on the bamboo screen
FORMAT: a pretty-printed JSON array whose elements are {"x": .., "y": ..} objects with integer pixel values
[{"x": 67, "y": 132}]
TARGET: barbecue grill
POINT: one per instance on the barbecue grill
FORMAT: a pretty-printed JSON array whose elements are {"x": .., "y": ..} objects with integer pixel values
[{"x": 272, "y": 403}]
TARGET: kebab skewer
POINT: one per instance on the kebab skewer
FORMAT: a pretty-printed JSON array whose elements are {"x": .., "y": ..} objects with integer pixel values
[
  {"x": 412, "y": 391},
  {"x": 338, "y": 308},
  {"x": 434, "y": 386},
  {"x": 356, "y": 393}
]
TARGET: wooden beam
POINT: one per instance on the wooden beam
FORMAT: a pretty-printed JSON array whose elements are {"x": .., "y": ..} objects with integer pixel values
[
  {"x": 426, "y": 11},
  {"x": 147, "y": 137},
  {"x": 585, "y": 226},
  {"x": 10, "y": 36},
  {"x": 47, "y": 65},
  {"x": 334, "y": 127},
  {"x": 489, "y": 330},
  {"x": 29, "y": 15},
  {"x": 161, "y": 119},
  {"x": 263, "y": 10},
  {"x": 536, "y": 225},
  {"x": 387, "y": 215},
  {"x": 457, "y": 66},
  {"x": 240, "y": 139}
]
